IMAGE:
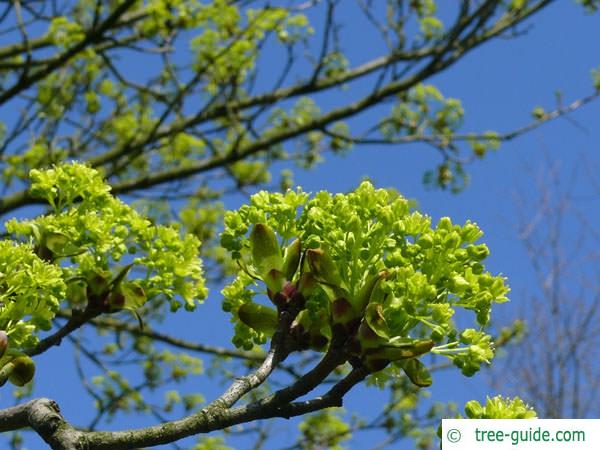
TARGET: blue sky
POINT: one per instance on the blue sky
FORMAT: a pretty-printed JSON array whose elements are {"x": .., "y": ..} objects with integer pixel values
[{"x": 499, "y": 84}]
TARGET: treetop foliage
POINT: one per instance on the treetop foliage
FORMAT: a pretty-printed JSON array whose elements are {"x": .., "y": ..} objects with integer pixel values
[{"x": 205, "y": 103}]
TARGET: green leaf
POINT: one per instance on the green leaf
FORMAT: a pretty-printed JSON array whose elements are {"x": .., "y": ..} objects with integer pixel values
[
  {"x": 266, "y": 254},
  {"x": 396, "y": 352},
  {"x": 416, "y": 371},
  {"x": 307, "y": 284},
  {"x": 135, "y": 297},
  {"x": 292, "y": 258},
  {"x": 275, "y": 280},
  {"x": 116, "y": 281},
  {"x": 364, "y": 294},
  {"x": 55, "y": 241},
  {"x": 259, "y": 317},
  {"x": 323, "y": 267},
  {"x": 376, "y": 321}
]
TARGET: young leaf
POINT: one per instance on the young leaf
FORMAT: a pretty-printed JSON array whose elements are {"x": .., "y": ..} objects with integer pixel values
[
  {"x": 266, "y": 254},
  {"x": 364, "y": 294},
  {"x": 55, "y": 241},
  {"x": 258, "y": 317},
  {"x": 376, "y": 321},
  {"x": 416, "y": 371},
  {"x": 323, "y": 267},
  {"x": 292, "y": 257},
  {"x": 135, "y": 297}
]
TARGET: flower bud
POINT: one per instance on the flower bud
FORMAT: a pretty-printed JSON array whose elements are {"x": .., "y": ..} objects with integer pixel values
[
  {"x": 444, "y": 224},
  {"x": 438, "y": 333},
  {"x": 478, "y": 252},
  {"x": 470, "y": 232},
  {"x": 459, "y": 284},
  {"x": 473, "y": 409},
  {"x": 452, "y": 240},
  {"x": 23, "y": 372},
  {"x": 425, "y": 241}
]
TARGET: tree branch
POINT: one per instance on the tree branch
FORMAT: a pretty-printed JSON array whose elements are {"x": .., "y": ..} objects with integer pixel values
[
  {"x": 277, "y": 353},
  {"x": 44, "y": 416},
  {"x": 91, "y": 37},
  {"x": 75, "y": 321},
  {"x": 134, "y": 329}
]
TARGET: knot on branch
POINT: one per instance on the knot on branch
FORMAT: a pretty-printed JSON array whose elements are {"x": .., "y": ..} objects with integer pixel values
[
  {"x": 44, "y": 416},
  {"x": 46, "y": 419}
]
